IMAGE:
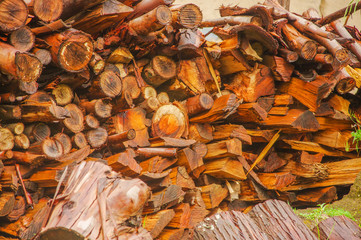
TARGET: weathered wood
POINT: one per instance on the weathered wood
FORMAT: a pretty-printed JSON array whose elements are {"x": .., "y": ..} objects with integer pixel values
[
  {"x": 124, "y": 163},
  {"x": 339, "y": 227},
  {"x": 155, "y": 223},
  {"x": 213, "y": 195},
  {"x": 225, "y": 168},
  {"x": 191, "y": 160},
  {"x": 167, "y": 198},
  {"x": 186, "y": 16}
]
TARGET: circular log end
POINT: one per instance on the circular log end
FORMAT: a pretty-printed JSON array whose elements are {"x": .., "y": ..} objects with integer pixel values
[
  {"x": 206, "y": 101},
  {"x": 345, "y": 85},
  {"x": 168, "y": 121},
  {"x": 65, "y": 141},
  {"x": 97, "y": 137},
  {"x": 131, "y": 134},
  {"x": 79, "y": 140},
  {"x": 52, "y": 148},
  {"x": 6, "y": 139},
  {"x": 43, "y": 55},
  {"x": 309, "y": 50},
  {"x": 110, "y": 83},
  {"x": 28, "y": 67},
  {"x": 13, "y": 15},
  {"x": 75, "y": 53},
  {"x": 91, "y": 121},
  {"x": 190, "y": 16},
  {"x": 22, "y": 39},
  {"x": 75, "y": 122},
  {"x": 342, "y": 55},
  {"x": 63, "y": 94},
  {"x": 40, "y": 132},
  {"x": 103, "y": 108},
  {"x": 22, "y": 141},
  {"x": 164, "y": 15},
  {"x": 48, "y": 10},
  {"x": 130, "y": 85},
  {"x": 60, "y": 233},
  {"x": 19, "y": 128},
  {"x": 164, "y": 67}
]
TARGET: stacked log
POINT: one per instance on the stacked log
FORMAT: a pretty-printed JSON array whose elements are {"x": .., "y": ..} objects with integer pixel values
[{"x": 265, "y": 112}]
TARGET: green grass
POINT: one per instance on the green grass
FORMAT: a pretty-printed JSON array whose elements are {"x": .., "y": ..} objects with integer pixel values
[{"x": 325, "y": 211}]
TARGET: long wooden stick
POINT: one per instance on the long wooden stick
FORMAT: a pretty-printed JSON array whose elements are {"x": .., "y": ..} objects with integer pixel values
[{"x": 340, "y": 13}]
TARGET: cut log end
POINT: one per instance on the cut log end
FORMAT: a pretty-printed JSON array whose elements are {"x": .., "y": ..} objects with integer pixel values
[
  {"x": 13, "y": 15},
  {"x": 97, "y": 137},
  {"x": 75, "y": 122},
  {"x": 59, "y": 233},
  {"x": 79, "y": 140},
  {"x": 48, "y": 10},
  {"x": 309, "y": 50},
  {"x": 168, "y": 121},
  {"x": 63, "y": 94},
  {"x": 6, "y": 139},
  {"x": 52, "y": 148},
  {"x": 163, "y": 15},
  {"x": 75, "y": 53},
  {"x": 110, "y": 84},
  {"x": 28, "y": 67},
  {"x": 22, "y": 39},
  {"x": 190, "y": 16}
]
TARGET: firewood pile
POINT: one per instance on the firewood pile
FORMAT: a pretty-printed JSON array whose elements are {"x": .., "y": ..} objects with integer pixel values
[{"x": 188, "y": 127}]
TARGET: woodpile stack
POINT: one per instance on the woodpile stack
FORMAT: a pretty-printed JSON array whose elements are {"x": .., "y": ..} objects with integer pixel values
[{"x": 265, "y": 112}]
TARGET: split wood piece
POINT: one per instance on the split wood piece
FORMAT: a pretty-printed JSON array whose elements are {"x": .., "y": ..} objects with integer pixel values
[
  {"x": 261, "y": 136},
  {"x": 181, "y": 217},
  {"x": 133, "y": 119},
  {"x": 130, "y": 92},
  {"x": 191, "y": 160},
  {"x": 91, "y": 122},
  {"x": 309, "y": 93},
  {"x": 170, "y": 142},
  {"x": 355, "y": 73},
  {"x": 228, "y": 225},
  {"x": 313, "y": 197},
  {"x": 116, "y": 141},
  {"x": 165, "y": 199},
  {"x": 18, "y": 210},
  {"x": 63, "y": 94},
  {"x": 173, "y": 234},
  {"x": 274, "y": 162},
  {"x": 354, "y": 47},
  {"x": 221, "y": 109},
  {"x": 186, "y": 16},
  {"x": 199, "y": 104},
  {"x": 79, "y": 140},
  {"x": 177, "y": 90},
  {"x": 157, "y": 164},
  {"x": 334, "y": 138},
  {"x": 75, "y": 123},
  {"x": 274, "y": 211},
  {"x": 159, "y": 70},
  {"x": 13, "y": 15},
  {"x": 278, "y": 111},
  {"x": 296, "y": 119},
  {"x": 156, "y": 181},
  {"x": 308, "y": 158},
  {"x": 71, "y": 49},
  {"x": 283, "y": 100},
  {"x": 231, "y": 59},
  {"x": 231, "y": 131},
  {"x": 201, "y": 132},
  {"x": 98, "y": 197},
  {"x": 97, "y": 63},
  {"x": 42, "y": 112},
  {"x": 73, "y": 157},
  {"x": 180, "y": 177},
  {"x": 101, "y": 108},
  {"x": 10, "y": 112},
  {"x": 281, "y": 69},
  {"x": 213, "y": 195},
  {"x": 7, "y": 203},
  {"x": 315, "y": 147},
  {"x": 51, "y": 148},
  {"x": 23, "y": 66},
  {"x": 250, "y": 85},
  {"x": 65, "y": 141},
  {"x": 335, "y": 48},
  {"x": 198, "y": 75},
  {"x": 249, "y": 112},
  {"x": 97, "y": 137},
  {"x": 155, "y": 223},
  {"x": 21, "y": 141},
  {"x": 288, "y": 55},
  {"x": 37, "y": 132},
  {"x": 107, "y": 84},
  {"x": 49, "y": 11},
  {"x": 124, "y": 163},
  {"x": 6, "y": 139},
  {"x": 21, "y": 227},
  {"x": 339, "y": 227},
  {"x": 120, "y": 55},
  {"x": 22, "y": 39},
  {"x": 225, "y": 168},
  {"x": 101, "y": 17},
  {"x": 345, "y": 82},
  {"x": 151, "y": 21},
  {"x": 336, "y": 124},
  {"x": 304, "y": 46},
  {"x": 152, "y": 152},
  {"x": 169, "y": 121}
]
